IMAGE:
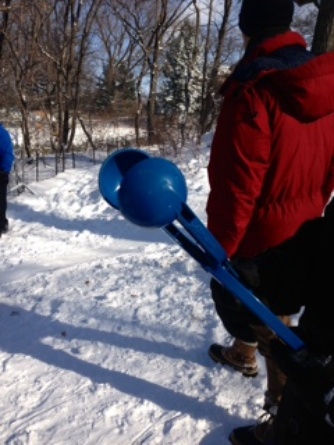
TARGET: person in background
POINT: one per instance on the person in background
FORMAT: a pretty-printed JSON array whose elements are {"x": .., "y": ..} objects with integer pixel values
[
  {"x": 297, "y": 277},
  {"x": 271, "y": 166},
  {"x": 6, "y": 164}
]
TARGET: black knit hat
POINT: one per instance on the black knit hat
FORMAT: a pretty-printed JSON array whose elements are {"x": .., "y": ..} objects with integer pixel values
[{"x": 258, "y": 15}]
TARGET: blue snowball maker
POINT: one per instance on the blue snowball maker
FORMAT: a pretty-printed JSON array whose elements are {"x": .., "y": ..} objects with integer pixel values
[
  {"x": 152, "y": 193},
  {"x": 148, "y": 191},
  {"x": 113, "y": 170}
]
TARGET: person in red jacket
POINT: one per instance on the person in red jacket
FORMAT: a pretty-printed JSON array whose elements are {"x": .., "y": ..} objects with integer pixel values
[{"x": 271, "y": 166}]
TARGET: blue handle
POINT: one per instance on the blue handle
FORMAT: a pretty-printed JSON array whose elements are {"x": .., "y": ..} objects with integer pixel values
[
  {"x": 233, "y": 285},
  {"x": 204, "y": 251}
]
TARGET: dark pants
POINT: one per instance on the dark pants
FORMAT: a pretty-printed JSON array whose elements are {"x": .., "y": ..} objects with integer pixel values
[
  {"x": 235, "y": 317},
  {"x": 4, "y": 179},
  {"x": 296, "y": 425}
]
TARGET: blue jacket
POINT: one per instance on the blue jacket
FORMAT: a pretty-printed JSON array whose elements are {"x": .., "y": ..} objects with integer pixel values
[{"x": 6, "y": 151}]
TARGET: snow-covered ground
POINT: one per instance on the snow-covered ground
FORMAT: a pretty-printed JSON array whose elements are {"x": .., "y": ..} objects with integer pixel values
[{"x": 105, "y": 326}]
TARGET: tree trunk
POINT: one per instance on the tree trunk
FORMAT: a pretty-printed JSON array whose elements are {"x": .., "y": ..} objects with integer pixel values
[
  {"x": 323, "y": 40},
  {"x": 208, "y": 106}
]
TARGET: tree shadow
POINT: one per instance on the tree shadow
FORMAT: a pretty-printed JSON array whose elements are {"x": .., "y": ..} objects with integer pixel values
[
  {"x": 26, "y": 330},
  {"x": 99, "y": 225}
]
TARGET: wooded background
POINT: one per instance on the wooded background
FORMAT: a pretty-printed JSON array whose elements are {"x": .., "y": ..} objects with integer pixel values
[{"x": 157, "y": 64}]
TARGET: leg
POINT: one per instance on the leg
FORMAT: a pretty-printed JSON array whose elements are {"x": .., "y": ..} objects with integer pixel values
[
  {"x": 233, "y": 314},
  {"x": 4, "y": 179},
  {"x": 276, "y": 379},
  {"x": 235, "y": 318}
]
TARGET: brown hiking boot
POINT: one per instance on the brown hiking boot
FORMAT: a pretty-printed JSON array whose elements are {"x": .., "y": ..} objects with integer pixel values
[{"x": 240, "y": 356}]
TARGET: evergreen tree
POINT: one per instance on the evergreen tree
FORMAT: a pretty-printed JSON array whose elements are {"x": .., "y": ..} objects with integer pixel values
[
  {"x": 116, "y": 85},
  {"x": 181, "y": 87}
]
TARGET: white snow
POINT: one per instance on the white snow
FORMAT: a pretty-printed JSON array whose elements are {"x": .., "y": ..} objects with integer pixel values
[{"x": 105, "y": 326}]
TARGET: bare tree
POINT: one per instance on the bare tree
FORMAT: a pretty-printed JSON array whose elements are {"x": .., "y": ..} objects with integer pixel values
[
  {"x": 49, "y": 42},
  {"x": 120, "y": 51},
  {"x": 210, "y": 75},
  {"x": 19, "y": 39},
  {"x": 4, "y": 23},
  {"x": 71, "y": 26},
  {"x": 150, "y": 23},
  {"x": 323, "y": 39}
]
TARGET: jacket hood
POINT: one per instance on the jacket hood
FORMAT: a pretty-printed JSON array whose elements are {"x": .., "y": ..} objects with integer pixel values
[
  {"x": 304, "y": 83},
  {"x": 307, "y": 91}
]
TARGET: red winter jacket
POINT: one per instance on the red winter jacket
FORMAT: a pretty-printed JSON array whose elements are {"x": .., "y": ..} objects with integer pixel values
[{"x": 272, "y": 160}]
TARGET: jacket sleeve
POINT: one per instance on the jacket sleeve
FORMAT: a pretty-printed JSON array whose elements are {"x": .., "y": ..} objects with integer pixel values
[
  {"x": 238, "y": 164},
  {"x": 7, "y": 151}
]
